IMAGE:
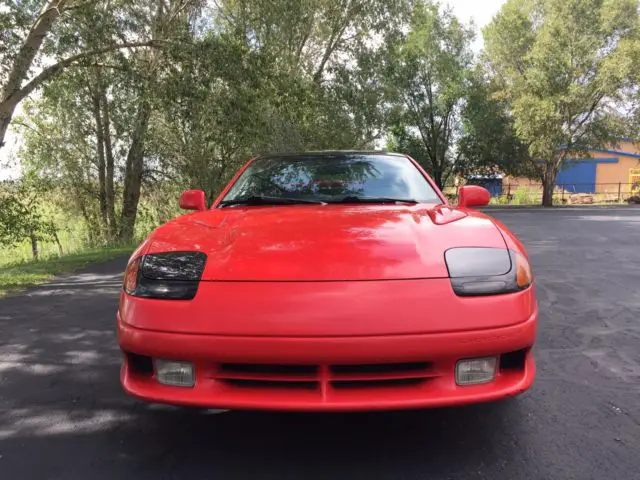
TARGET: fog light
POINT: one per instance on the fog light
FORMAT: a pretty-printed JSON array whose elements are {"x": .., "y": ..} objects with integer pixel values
[
  {"x": 171, "y": 372},
  {"x": 475, "y": 370}
]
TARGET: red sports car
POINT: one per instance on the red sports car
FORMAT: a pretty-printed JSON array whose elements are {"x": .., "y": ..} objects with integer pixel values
[{"x": 329, "y": 281}]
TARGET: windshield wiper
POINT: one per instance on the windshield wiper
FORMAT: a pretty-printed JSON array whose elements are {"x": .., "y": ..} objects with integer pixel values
[
  {"x": 266, "y": 200},
  {"x": 357, "y": 199}
]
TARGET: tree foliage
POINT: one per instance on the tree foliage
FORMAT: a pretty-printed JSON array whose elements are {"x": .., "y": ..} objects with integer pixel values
[
  {"x": 489, "y": 143},
  {"x": 567, "y": 69},
  {"x": 41, "y": 39},
  {"x": 430, "y": 77},
  {"x": 22, "y": 216},
  {"x": 126, "y": 102},
  {"x": 224, "y": 81}
]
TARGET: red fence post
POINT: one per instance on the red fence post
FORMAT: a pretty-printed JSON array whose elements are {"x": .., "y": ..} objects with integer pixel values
[
  {"x": 619, "y": 191},
  {"x": 562, "y": 187}
]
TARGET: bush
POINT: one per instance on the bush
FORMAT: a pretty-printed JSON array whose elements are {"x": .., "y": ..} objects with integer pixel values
[{"x": 525, "y": 196}]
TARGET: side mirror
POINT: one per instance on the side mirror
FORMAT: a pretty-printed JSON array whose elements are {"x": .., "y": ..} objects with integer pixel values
[
  {"x": 473, "y": 196},
  {"x": 193, "y": 200}
]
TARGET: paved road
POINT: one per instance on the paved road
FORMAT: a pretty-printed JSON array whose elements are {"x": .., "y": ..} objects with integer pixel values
[{"x": 63, "y": 416}]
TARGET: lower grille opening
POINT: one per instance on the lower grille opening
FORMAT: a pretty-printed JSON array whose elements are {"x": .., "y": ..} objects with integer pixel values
[
  {"x": 269, "y": 368},
  {"x": 380, "y": 367},
  {"x": 513, "y": 360},
  {"x": 140, "y": 364},
  {"x": 392, "y": 383},
  {"x": 270, "y": 384}
]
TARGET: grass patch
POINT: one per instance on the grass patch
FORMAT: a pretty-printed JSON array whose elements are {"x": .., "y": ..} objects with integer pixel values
[{"x": 23, "y": 274}]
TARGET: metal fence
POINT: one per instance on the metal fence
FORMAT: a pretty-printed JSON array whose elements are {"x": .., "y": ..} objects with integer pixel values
[{"x": 564, "y": 194}]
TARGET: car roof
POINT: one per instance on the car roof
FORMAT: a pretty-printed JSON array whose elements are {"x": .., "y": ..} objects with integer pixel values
[{"x": 329, "y": 154}]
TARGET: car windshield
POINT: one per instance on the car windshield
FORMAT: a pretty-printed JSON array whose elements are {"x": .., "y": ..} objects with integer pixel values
[{"x": 339, "y": 178}]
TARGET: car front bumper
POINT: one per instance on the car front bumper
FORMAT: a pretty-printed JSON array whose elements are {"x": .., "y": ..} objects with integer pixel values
[{"x": 342, "y": 373}]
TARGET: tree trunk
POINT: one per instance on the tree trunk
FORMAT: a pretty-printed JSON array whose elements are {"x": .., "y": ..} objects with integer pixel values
[
  {"x": 108, "y": 151},
  {"x": 437, "y": 172},
  {"x": 109, "y": 187},
  {"x": 34, "y": 246},
  {"x": 548, "y": 185},
  {"x": 88, "y": 220},
  {"x": 57, "y": 240},
  {"x": 23, "y": 61},
  {"x": 135, "y": 157},
  {"x": 437, "y": 178},
  {"x": 5, "y": 120},
  {"x": 133, "y": 173},
  {"x": 102, "y": 195}
]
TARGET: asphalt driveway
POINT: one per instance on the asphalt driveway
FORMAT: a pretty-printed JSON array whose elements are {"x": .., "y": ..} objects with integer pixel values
[{"x": 64, "y": 416}]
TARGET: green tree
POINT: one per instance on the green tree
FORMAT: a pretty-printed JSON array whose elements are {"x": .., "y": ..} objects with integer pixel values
[
  {"x": 89, "y": 128},
  {"x": 566, "y": 69},
  {"x": 76, "y": 136},
  {"x": 430, "y": 78},
  {"x": 488, "y": 143},
  {"x": 35, "y": 31},
  {"x": 226, "y": 80},
  {"x": 310, "y": 36},
  {"x": 21, "y": 216},
  {"x": 209, "y": 112},
  {"x": 271, "y": 76}
]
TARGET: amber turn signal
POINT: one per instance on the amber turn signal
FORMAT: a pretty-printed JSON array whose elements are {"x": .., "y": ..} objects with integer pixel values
[
  {"x": 131, "y": 276},
  {"x": 523, "y": 272}
]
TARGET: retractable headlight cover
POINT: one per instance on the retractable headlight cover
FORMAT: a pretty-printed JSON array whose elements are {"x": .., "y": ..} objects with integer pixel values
[
  {"x": 487, "y": 271},
  {"x": 171, "y": 275}
]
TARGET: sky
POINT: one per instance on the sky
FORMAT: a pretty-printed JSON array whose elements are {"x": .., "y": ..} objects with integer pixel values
[{"x": 479, "y": 11}]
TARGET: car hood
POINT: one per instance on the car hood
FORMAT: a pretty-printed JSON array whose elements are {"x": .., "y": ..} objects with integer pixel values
[{"x": 326, "y": 242}]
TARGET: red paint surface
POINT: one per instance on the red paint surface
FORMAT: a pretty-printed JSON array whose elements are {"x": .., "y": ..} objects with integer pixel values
[
  {"x": 439, "y": 389},
  {"x": 473, "y": 196},
  {"x": 326, "y": 242},
  {"x": 193, "y": 200},
  {"x": 327, "y": 309},
  {"x": 325, "y": 285}
]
